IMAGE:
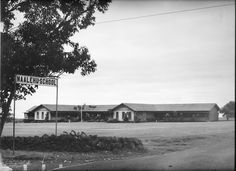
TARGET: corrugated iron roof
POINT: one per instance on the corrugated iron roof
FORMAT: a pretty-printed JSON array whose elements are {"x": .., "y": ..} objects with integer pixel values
[
  {"x": 31, "y": 109},
  {"x": 62, "y": 108},
  {"x": 132, "y": 106},
  {"x": 99, "y": 108},
  {"x": 67, "y": 108},
  {"x": 171, "y": 107}
]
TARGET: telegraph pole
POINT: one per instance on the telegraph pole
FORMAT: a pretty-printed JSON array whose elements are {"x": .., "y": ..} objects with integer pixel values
[
  {"x": 56, "y": 107},
  {"x": 14, "y": 118},
  {"x": 1, "y": 30},
  {"x": 81, "y": 113}
]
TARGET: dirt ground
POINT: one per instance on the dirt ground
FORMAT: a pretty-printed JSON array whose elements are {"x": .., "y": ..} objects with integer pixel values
[
  {"x": 203, "y": 153},
  {"x": 171, "y": 140}
]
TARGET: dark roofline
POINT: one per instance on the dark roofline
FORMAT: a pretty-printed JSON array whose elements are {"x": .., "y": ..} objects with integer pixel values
[
  {"x": 84, "y": 110},
  {"x": 121, "y": 105},
  {"x": 41, "y": 105},
  {"x": 126, "y": 105},
  {"x": 167, "y": 103},
  {"x": 217, "y": 107}
]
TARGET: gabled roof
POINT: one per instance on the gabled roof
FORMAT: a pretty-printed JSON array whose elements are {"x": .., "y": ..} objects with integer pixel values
[
  {"x": 62, "y": 108},
  {"x": 98, "y": 108},
  {"x": 73, "y": 108},
  {"x": 170, "y": 107},
  {"x": 132, "y": 106},
  {"x": 31, "y": 109}
]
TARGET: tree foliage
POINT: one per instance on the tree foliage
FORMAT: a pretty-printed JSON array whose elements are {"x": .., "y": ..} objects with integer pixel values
[
  {"x": 36, "y": 45},
  {"x": 229, "y": 109}
]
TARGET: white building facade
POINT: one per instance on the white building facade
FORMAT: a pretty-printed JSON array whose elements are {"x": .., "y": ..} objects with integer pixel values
[
  {"x": 41, "y": 114},
  {"x": 121, "y": 112}
]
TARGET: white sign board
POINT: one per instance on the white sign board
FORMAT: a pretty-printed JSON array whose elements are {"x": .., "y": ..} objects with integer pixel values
[{"x": 42, "y": 81}]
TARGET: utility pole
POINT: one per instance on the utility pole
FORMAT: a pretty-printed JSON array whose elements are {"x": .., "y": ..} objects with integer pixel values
[
  {"x": 56, "y": 107},
  {"x": 1, "y": 30},
  {"x": 81, "y": 113},
  {"x": 81, "y": 107}
]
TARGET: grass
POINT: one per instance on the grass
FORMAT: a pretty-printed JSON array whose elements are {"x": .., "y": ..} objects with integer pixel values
[
  {"x": 139, "y": 130},
  {"x": 52, "y": 160},
  {"x": 158, "y": 138}
]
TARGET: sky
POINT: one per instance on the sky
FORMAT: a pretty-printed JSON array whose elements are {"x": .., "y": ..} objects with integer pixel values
[{"x": 185, "y": 57}]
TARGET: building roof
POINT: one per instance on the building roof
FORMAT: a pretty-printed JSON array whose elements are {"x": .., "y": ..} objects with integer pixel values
[
  {"x": 132, "y": 106},
  {"x": 171, "y": 107},
  {"x": 67, "y": 108},
  {"x": 31, "y": 109},
  {"x": 98, "y": 108}
]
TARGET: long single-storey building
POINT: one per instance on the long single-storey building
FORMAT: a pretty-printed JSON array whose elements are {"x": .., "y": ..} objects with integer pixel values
[
  {"x": 167, "y": 112},
  {"x": 47, "y": 112},
  {"x": 132, "y": 112}
]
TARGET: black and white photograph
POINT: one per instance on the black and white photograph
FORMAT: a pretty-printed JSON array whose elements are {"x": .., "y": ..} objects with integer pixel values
[{"x": 117, "y": 85}]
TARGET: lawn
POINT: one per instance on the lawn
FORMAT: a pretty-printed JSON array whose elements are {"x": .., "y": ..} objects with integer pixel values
[
  {"x": 158, "y": 138},
  {"x": 139, "y": 130}
]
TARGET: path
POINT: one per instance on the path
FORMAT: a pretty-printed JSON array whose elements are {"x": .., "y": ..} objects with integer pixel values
[{"x": 215, "y": 154}]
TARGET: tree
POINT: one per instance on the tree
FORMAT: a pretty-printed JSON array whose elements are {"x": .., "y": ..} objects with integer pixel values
[
  {"x": 36, "y": 45},
  {"x": 229, "y": 109}
]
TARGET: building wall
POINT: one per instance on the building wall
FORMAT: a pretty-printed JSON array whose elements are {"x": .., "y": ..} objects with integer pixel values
[
  {"x": 213, "y": 114},
  {"x": 150, "y": 116},
  {"x": 179, "y": 116},
  {"x": 41, "y": 113},
  {"x": 191, "y": 116},
  {"x": 29, "y": 116},
  {"x": 65, "y": 116},
  {"x": 141, "y": 116},
  {"x": 120, "y": 111},
  {"x": 185, "y": 117},
  {"x": 26, "y": 116}
]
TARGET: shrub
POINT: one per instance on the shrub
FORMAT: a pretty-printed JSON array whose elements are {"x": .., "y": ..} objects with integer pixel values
[
  {"x": 112, "y": 120},
  {"x": 28, "y": 120},
  {"x": 72, "y": 142},
  {"x": 126, "y": 119}
]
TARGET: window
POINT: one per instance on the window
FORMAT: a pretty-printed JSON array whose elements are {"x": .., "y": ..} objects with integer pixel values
[
  {"x": 123, "y": 115},
  {"x": 42, "y": 115},
  {"x": 129, "y": 115},
  {"x": 47, "y": 116},
  {"x": 117, "y": 115},
  {"x": 37, "y": 115}
]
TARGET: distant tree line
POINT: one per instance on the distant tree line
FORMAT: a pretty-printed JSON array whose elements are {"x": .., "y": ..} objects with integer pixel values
[{"x": 229, "y": 109}]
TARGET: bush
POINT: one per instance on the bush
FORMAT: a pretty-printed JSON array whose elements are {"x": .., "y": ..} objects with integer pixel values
[
  {"x": 112, "y": 120},
  {"x": 72, "y": 142},
  {"x": 28, "y": 120},
  {"x": 126, "y": 119}
]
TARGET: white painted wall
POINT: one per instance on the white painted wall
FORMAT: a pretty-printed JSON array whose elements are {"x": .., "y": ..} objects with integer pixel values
[
  {"x": 120, "y": 110},
  {"x": 42, "y": 114}
]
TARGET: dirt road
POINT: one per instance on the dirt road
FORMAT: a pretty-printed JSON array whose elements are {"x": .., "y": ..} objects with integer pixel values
[{"x": 210, "y": 153}]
